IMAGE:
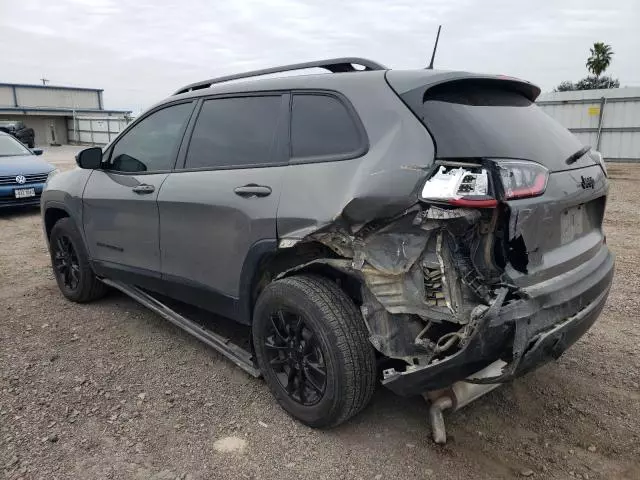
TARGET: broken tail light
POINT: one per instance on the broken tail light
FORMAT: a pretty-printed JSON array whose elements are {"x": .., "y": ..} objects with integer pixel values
[{"x": 464, "y": 185}]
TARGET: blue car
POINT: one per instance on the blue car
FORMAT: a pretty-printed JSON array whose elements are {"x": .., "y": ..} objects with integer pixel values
[{"x": 22, "y": 174}]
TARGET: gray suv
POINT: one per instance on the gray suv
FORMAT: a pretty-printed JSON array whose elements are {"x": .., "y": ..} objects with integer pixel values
[{"x": 419, "y": 228}]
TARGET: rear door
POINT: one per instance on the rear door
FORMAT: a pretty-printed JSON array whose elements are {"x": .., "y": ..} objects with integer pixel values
[
  {"x": 222, "y": 201},
  {"x": 120, "y": 214}
]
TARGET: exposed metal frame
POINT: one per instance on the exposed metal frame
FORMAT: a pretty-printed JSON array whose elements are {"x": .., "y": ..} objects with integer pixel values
[{"x": 334, "y": 65}]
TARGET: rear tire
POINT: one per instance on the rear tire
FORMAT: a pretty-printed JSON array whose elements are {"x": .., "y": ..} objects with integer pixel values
[
  {"x": 71, "y": 265},
  {"x": 332, "y": 339}
]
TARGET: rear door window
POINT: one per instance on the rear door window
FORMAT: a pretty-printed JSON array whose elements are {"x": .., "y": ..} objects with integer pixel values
[
  {"x": 323, "y": 128},
  {"x": 235, "y": 132}
]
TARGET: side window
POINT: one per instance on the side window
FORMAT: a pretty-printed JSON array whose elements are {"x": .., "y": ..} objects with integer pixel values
[
  {"x": 235, "y": 132},
  {"x": 152, "y": 144},
  {"x": 321, "y": 126}
]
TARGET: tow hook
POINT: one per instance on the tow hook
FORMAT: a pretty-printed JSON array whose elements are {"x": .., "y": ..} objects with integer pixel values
[{"x": 457, "y": 396}]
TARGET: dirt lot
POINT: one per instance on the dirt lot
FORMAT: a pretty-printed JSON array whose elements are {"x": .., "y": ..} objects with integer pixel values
[{"x": 110, "y": 390}]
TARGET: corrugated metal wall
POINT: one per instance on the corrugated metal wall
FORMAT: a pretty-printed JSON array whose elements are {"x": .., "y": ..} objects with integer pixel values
[
  {"x": 6, "y": 96},
  {"x": 57, "y": 97},
  {"x": 36, "y": 96},
  {"x": 98, "y": 130},
  {"x": 608, "y": 120}
]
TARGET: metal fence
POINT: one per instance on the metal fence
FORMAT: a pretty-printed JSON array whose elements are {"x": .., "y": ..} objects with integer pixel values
[
  {"x": 607, "y": 120},
  {"x": 96, "y": 130}
]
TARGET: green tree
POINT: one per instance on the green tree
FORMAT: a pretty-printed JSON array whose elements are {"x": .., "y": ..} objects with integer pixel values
[
  {"x": 565, "y": 86},
  {"x": 600, "y": 58},
  {"x": 597, "y": 63}
]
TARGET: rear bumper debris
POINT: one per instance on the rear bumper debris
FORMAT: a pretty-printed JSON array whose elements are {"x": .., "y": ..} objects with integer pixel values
[{"x": 525, "y": 334}]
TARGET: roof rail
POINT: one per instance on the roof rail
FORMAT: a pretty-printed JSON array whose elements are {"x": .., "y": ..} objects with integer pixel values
[{"x": 334, "y": 65}]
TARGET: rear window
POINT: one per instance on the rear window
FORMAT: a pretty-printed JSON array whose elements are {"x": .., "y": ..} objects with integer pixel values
[
  {"x": 322, "y": 127},
  {"x": 480, "y": 119}
]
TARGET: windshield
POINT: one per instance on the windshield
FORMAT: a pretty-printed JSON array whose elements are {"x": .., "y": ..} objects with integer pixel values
[{"x": 9, "y": 146}]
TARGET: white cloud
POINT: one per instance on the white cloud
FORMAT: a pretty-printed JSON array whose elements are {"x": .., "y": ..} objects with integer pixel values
[{"x": 139, "y": 51}]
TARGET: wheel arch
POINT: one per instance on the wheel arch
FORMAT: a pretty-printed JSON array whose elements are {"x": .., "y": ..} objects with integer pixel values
[
  {"x": 52, "y": 215},
  {"x": 266, "y": 263}
]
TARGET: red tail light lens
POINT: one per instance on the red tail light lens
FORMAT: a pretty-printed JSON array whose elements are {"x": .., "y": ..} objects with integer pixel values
[{"x": 521, "y": 179}]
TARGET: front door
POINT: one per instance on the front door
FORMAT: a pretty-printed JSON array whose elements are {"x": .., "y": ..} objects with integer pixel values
[
  {"x": 120, "y": 209},
  {"x": 224, "y": 200}
]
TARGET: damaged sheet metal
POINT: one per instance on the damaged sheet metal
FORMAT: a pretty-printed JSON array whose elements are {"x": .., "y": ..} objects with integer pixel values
[{"x": 420, "y": 288}]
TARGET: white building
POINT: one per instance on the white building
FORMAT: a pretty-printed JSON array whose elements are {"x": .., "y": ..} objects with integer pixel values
[{"x": 60, "y": 115}]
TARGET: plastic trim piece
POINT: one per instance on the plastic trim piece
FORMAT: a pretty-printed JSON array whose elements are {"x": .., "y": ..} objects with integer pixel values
[{"x": 241, "y": 357}]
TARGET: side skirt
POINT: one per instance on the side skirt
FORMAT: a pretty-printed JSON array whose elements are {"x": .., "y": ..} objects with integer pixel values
[{"x": 238, "y": 355}]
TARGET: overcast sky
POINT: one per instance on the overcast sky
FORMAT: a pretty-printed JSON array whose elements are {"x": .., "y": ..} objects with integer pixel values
[{"x": 141, "y": 51}]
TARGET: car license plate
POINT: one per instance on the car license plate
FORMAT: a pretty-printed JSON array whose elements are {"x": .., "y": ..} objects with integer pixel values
[
  {"x": 25, "y": 192},
  {"x": 571, "y": 223}
]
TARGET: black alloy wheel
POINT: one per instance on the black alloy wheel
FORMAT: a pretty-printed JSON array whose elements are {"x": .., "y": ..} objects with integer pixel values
[
  {"x": 295, "y": 355},
  {"x": 66, "y": 263},
  {"x": 311, "y": 344},
  {"x": 71, "y": 264}
]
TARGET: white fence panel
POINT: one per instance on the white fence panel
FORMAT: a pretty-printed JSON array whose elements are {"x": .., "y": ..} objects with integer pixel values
[
  {"x": 608, "y": 120},
  {"x": 94, "y": 130}
]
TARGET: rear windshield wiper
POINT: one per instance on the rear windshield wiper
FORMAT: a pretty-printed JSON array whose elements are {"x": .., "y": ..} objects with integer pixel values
[{"x": 574, "y": 158}]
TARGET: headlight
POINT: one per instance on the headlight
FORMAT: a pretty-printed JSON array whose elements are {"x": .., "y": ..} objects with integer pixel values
[{"x": 52, "y": 174}]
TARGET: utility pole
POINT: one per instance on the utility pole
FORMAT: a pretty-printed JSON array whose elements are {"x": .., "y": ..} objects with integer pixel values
[{"x": 44, "y": 80}]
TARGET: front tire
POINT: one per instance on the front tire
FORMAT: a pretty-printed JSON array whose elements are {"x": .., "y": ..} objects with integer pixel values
[
  {"x": 71, "y": 266},
  {"x": 312, "y": 347}
]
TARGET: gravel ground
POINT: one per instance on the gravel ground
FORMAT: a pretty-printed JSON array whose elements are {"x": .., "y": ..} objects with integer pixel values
[{"x": 110, "y": 390}]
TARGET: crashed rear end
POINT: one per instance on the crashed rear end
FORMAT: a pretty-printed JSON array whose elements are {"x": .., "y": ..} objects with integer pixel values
[{"x": 500, "y": 255}]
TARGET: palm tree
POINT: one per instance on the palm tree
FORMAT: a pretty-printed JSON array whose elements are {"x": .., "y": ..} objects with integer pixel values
[{"x": 600, "y": 58}]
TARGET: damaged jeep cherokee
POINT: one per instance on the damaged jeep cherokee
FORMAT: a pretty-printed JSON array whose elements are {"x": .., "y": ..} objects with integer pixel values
[{"x": 432, "y": 230}]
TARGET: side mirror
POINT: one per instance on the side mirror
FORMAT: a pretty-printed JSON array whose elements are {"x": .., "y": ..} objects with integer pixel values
[
  {"x": 37, "y": 151},
  {"x": 89, "y": 158}
]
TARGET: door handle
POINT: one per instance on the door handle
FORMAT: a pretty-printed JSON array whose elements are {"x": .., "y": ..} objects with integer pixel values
[
  {"x": 253, "y": 190},
  {"x": 143, "y": 188}
]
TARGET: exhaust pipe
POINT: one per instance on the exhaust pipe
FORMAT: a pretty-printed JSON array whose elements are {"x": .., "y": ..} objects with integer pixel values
[{"x": 457, "y": 396}]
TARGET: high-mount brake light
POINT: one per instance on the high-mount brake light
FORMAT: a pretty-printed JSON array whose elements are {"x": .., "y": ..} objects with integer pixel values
[{"x": 522, "y": 179}]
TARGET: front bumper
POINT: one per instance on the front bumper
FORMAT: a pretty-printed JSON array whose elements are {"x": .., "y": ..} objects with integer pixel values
[
  {"x": 8, "y": 199},
  {"x": 524, "y": 333}
]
